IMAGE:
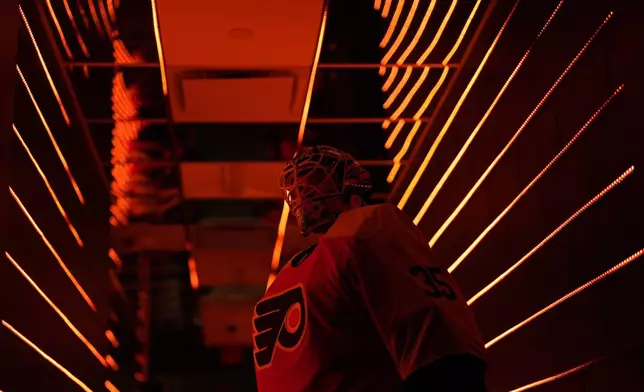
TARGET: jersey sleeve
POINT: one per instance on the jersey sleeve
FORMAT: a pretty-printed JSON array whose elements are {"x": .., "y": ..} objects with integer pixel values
[{"x": 415, "y": 305}]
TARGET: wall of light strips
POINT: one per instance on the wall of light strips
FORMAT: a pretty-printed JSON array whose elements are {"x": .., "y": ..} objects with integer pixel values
[
  {"x": 532, "y": 204},
  {"x": 60, "y": 313}
]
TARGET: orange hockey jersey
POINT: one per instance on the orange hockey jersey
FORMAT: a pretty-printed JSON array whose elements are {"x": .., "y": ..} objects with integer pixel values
[{"x": 361, "y": 311}]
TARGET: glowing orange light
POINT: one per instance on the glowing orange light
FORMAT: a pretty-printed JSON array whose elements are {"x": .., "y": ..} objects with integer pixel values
[
  {"x": 110, "y": 336},
  {"x": 115, "y": 257},
  {"x": 401, "y": 154},
  {"x": 60, "y": 314},
  {"x": 478, "y": 183},
  {"x": 549, "y": 237},
  {"x": 385, "y": 9},
  {"x": 110, "y": 387},
  {"x": 419, "y": 33},
  {"x": 428, "y": 157},
  {"x": 51, "y": 191},
  {"x": 106, "y": 19},
  {"x": 53, "y": 252},
  {"x": 113, "y": 365},
  {"x": 458, "y": 157},
  {"x": 97, "y": 22},
  {"x": 392, "y": 23},
  {"x": 59, "y": 29},
  {"x": 47, "y": 357},
  {"x": 309, "y": 90},
  {"x": 377, "y": 4},
  {"x": 392, "y": 97},
  {"x": 557, "y": 376},
  {"x": 157, "y": 37},
  {"x": 281, "y": 229},
  {"x": 394, "y": 134},
  {"x": 79, "y": 37},
  {"x": 53, "y": 140},
  {"x": 401, "y": 34},
  {"x": 271, "y": 278},
  {"x": 534, "y": 181},
  {"x": 566, "y": 297},
  {"x": 422, "y": 59},
  {"x": 423, "y": 76},
  {"x": 44, "y": 66},
  {"x": 111, "y": 10},
  {"x": 194, "y": 278}
]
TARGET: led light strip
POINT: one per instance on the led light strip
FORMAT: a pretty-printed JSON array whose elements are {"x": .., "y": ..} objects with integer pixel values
[
  {"x": 44, "y": 67},
  {"x": 458, "y": 157},
  {"x": 478, "y": 183},
  {"x": 394, "y": 170},
  {"x": 457, "y": 107},
  {"x": 281, "y": 228},
  {"x": 392, "y": 26},
  {"x": 401, "y": 154},
  {"x": 47, "y": 357},
  {"x": 53, "y": 252},
  {"x": 403, "y": 57},
  {"x": 386, "y": 8},
  {"x": 60, "y": 314},
  {"x": 53, "y": 140},
  {"x": 550, "y": 236},
  {"x": 557, "y": 376},
  {"x": 110, "y": 387},
  {"x": 393, "y": 48},
  {"x": 59, "y": 29},
  {"x": 79, "y": 37},
  {"x": 534, "y": 181},
  {"x": 157, "y": 38},
  {"x": 571, "y": 294},
  {"x": 50, "y": 189}
]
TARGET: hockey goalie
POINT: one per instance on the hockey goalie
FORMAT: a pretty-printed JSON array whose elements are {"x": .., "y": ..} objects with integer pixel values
[{"x": 366, "y": 309}]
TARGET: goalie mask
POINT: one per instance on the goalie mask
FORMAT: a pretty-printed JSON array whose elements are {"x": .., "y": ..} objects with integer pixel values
[{"x": 315, "y": 178}]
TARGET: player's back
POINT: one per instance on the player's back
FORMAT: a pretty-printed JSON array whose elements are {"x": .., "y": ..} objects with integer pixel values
[{"x": 317, "y": 329}]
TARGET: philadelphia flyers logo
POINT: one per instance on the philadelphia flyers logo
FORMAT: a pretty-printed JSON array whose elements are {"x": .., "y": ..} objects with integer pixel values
[{"x": 279, "y": 323}]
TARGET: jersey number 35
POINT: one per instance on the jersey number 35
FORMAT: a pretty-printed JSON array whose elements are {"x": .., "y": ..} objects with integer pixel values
[{"x": 433, "y": 285}]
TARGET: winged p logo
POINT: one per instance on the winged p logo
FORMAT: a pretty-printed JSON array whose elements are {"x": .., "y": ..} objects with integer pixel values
[{"x": 279, "y": 323}]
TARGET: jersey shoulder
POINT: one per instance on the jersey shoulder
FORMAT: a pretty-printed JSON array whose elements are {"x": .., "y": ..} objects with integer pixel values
[{"x": 373, "y": 223}]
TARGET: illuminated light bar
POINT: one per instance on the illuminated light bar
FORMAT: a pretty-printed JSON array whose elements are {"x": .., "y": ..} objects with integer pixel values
[
  {"x": 44, "y": 66},
  {"x": 566, "y": 297},
  {"x": 534, "y": 181},
  {"x": 59, "y": 29},
  {"x": 281, "y": 228},
  {"x": 111, "y": 10},
  {"x": 83, "y": 14},
  {"x": 394, "y": 134},
  {"x": 194, "y": 277},
  {"x": 412, "y": 45},
  {"x": 377, "y": 4},
  {"x": 112, "y": 363},
  {"x": 549, "y": 237},
  {"x": 385, "y": 9},
  {"x": 314, "y": 70},
  {"x": 53, "y": 252},
  {"x": 106, "y": 19},
  {"x": 457, "y": 107},
  {"x": 430, "y": 97},
  {"x": 157, "y": 37},
  {"x": 108, "y": 385},
  {"x": 478, "y": 127},
  {"x": 401, "y": 154},
  {"x": 47, "y": 357},
  {"x": 79, "y": 37},
  {"x": 478, "y": 183},
  {"x": 97, "y": 22},
  {"x": 422, "y": 59},
  {"x": 392, "y": 25},
  {"x": 110, "y": 336},
  {"x": 401, "y": 35},
  {"x": 50, "y": 189},
  {"x": 53, "y": 140},
  {"x": 115, "y": 257},
  {"x": 557, "y": 376},
  {"x": 60, "y": 314}
]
